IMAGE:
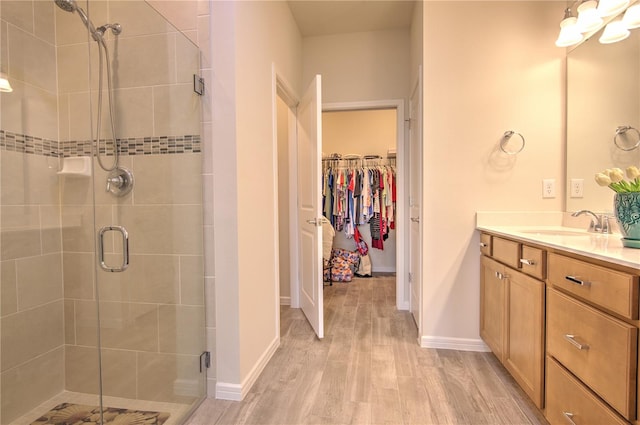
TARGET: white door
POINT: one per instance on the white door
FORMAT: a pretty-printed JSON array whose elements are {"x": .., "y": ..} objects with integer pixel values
[
  {"x": 415, "y": 202},
  {"x": 310, "y": 204}
]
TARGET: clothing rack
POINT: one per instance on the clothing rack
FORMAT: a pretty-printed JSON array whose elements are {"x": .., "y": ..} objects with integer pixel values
[{"x": 352, "y": 160}]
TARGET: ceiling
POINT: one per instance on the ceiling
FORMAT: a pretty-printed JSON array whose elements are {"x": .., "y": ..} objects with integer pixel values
[{"x": 326, "y": 17}]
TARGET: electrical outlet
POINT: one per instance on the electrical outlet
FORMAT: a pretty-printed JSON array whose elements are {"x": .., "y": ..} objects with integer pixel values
[
  {"x": 577, "y": 188},
  {"x": 549, "y": 188}
]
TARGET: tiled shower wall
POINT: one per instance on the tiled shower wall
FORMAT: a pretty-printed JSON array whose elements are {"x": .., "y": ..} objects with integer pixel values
[
  {"x": 146, "y": 328},
  {"x": 31, "y": 321}
]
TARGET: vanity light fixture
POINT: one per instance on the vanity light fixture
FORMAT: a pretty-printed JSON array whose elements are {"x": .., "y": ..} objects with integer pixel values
[
  {"x": 588, "y": 17},
  {"x": 5, "y": 86},
  {"x": 569, "y": 32},
  {"x": 632, "y": 17},
  {"x": 615, "y": 31}
]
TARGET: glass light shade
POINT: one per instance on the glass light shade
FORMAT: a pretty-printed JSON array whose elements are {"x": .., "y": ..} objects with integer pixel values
[
  {"x": 5, "y": 86},
  {"x": 631, "y": 17},
  {"x": 569, "y": 33},
  {"x": 611, "y": 7},
  {"x": 588, "y": 17},
  {"x": 615, "y": 31}
]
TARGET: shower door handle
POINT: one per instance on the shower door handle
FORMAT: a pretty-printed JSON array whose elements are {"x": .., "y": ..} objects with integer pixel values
[{"x": 125, "y": 248}]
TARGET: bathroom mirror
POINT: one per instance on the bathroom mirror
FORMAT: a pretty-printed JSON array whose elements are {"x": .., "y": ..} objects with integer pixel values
[{"x": 603, "y": 93}]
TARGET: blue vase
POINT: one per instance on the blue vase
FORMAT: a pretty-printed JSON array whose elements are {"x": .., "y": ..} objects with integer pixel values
[{"x": 626, "y": 207}]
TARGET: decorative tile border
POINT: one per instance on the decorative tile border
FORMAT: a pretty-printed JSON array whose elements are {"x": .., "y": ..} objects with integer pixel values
[{"x": 160, "y": 145}]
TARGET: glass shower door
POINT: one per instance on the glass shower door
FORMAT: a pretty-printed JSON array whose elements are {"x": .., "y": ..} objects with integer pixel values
[{"x": 77, "y": 338}]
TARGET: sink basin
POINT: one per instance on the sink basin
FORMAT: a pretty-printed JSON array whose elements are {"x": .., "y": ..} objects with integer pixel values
[{"x": 555, "y": 232}]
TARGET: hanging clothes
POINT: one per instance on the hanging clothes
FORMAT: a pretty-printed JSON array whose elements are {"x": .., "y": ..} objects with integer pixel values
[{"x": 356, "y": 194}]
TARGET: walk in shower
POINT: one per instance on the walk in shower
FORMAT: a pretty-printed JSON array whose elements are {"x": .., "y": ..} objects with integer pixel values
[{"x": 101, "y": 289}]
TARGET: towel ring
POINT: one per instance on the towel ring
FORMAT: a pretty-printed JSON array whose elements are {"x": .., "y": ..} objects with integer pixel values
[
  {"x": 505, "y": 139},
  {"x": 622, "y": 130}
]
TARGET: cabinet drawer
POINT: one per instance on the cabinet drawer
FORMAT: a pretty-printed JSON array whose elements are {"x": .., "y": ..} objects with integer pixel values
[
  {"x": 485, "y": 244},
  {"x": 533, "y": 261},
  {"x": 568, "y": 398},
  {"x": 611, "y": 289},
  {"x": 596, "y": 348},
  {"x": 506, "y": 251}
]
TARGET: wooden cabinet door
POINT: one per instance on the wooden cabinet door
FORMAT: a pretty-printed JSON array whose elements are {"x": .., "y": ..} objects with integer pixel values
[
  {"x": 524, "y": 350},
  {"x": 492, "y": 305}
]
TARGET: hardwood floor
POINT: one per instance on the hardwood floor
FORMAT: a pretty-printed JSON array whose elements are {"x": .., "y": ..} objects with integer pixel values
[{"x": 369, "y": 369}]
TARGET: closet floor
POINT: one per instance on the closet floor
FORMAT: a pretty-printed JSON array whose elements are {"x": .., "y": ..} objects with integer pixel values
[{"x": 369, "y": 369}]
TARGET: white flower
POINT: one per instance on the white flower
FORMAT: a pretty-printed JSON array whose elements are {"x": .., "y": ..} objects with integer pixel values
[
  {"x": 633, "y": 172},
  {"x": 616, "y": 175},
  {"x": 602, "y": 179}
]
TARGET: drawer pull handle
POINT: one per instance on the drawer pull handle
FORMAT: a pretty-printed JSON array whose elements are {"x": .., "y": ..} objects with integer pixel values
[
  {"x": 572, "y": 340},
  {"x": 527, "y": 262},
  {"x": 483, "y": 245},
  {"x": 578, "y": 281},
  {"x": 501, "y": 276},
  {"x": 569, "y": 417}
]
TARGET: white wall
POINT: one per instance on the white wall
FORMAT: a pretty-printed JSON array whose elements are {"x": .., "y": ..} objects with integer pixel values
[
  {"x": 249, "y": 37},
  {"x": 358, "y": 66},
  {"x": 488, "y": 67}
]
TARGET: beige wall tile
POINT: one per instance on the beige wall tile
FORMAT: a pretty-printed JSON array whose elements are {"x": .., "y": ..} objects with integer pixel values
[
  {"x": 86, "y": 322},
  {"x": 192, "y": 280},
  {"x": 4, "y": 46},
  {"x": 134, "y": 112},
  {"x": 26, "y": 102},
  {"x": 76, "y": 191},
  {"x": 168, "y": 179},
  {"x": 163, "y": 229},
  {"x": 51, "y": 231},
  {"x": 81, "y": 369},
  {"x": 207, "y": 199},
  {"x": 73, "y": 71},
  {"x": 32, "y": 60},
  {"x": 122, "y": 325},
  {"x": 27, "y": 179},
  {"x": 21, "y": 231},
  {"x": 187, "y": 58},
  {"x": 44, "y": 19},
  {"x": 78, "y": 275},
  {"x": 79, "y": 115},
  {"x": 19, "y": 13},
  {"x": 69, "y": 27},
  {"x": 159, "y": 373},
  {"x": 181, "y": 329},
  {"x": 119, "y": 373},
  {"x": 78, "y": 233},
  {"x": 136, "y": 56},
  {"x": 204, "y": 41},
  {"x": 209, "y": 258},
  {"x": 69, "y": 322},
  {"x": 203, "y": 7},
  {"x": 138, "y": 18},
  {"x": 9, "y": 294},
  {"x": 64, "y": 117},
  {"x": 30, "y": 333},
  {"x": 176, "y": 110},
  {"x": 26, "y": 386},
  {"x": 39, "y": 280},
  {"x": 149, "y": 278},
  {"x": 210, "y": 289}
]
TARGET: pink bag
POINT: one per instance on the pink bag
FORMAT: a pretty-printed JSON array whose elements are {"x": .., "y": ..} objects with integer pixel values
[{"x": 361, "y": 245}]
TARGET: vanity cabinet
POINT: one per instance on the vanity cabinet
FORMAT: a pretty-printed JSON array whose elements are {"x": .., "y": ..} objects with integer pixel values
[
  {"x": 565, "y": 326},
  {"x": 512, "y": 311},
  {"x": 592, "y": 335}
]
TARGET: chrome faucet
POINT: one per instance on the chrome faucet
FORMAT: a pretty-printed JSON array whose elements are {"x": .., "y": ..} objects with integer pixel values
[{"x": 599, "y": 223}]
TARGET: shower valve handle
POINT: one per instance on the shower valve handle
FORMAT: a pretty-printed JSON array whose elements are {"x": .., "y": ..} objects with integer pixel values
[{"x": 116, "y": 181}]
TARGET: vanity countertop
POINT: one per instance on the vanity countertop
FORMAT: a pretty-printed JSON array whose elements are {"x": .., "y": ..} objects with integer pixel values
[{"x": 607, "y": 247}]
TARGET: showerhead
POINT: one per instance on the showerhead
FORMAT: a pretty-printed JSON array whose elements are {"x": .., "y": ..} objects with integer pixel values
[
  {"x": 67, "y": 5},
  {"x": 72, "y": 6}
]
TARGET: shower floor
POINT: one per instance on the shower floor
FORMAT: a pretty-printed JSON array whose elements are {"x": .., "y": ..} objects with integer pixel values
[{"x": 176, "y": 411}]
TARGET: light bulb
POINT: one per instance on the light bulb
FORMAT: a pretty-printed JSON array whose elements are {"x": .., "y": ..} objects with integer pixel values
[
  {"x": 588, "y": 17},
  {"x": 5, "y": 86},
  {"x": 611, "y": 7},
  {"x": 631, "y": 17},
  {"x": 615, "y": 31},
  {"x": 569, "y": 33}
]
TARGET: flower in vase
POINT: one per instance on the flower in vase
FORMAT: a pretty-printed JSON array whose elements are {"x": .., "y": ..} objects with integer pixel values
[{"x": 614, "y": 178}]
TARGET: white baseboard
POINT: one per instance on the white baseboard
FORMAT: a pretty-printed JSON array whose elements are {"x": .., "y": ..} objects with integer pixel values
[
  {"x": 285, "y": 300},
  {"x": 403, "y": 305},
  {"x": 237, "y": 392},
  {"x": 461, "y": 344}
]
